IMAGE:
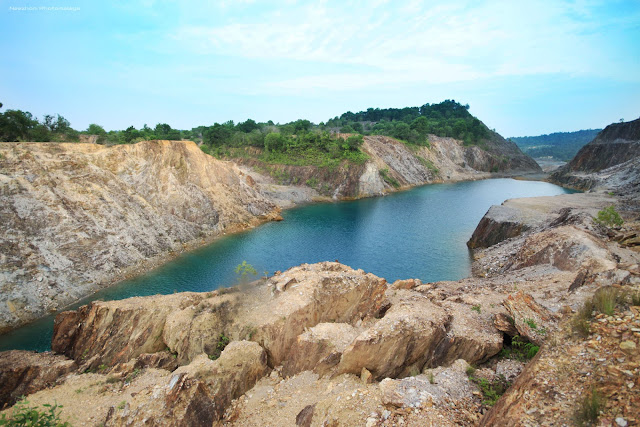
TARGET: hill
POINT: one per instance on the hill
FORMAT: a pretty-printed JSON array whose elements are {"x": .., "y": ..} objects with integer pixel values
[
  {"x": 611, "y": 160},
  {"x": 559, "y": 145}
]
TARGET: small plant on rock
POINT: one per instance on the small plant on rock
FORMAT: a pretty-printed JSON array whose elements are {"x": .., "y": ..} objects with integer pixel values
[
  {"x": 223, "y": 340},
  {"x": 520, "y": 350},
  {"x": 244, "y": 271},
  {"x": 589, "y": 408},
  {"x": 608, "y": 217}
]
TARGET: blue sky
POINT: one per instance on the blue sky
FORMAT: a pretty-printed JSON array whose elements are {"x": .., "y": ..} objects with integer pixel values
[{"x": 525, "y": 68}]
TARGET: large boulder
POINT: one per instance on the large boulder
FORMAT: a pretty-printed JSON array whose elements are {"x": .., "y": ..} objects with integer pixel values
[
  {"x": 112, "y": 332},
  {"x": 26, "y": 372},
  {"x": 470, "y": 336},
  {"x": 305, "y": 296},
  {"x": 197, "y": 394},
  {"x": 400, "y": 343},
  {"x": 319, "y": 348}
]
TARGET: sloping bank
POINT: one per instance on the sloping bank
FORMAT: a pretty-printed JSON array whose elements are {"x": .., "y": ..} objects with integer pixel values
[{"x": 79, "y": 217}]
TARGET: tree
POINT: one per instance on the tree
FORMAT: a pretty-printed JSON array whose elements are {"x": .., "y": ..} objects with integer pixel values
[
  {"x": 16, "y": 124},
  {"x": 274, "y": 142},
  {"x": 244, "y": 271},
  {"x": 95, "y": 129},
  {"x": 247, "y": 126}
]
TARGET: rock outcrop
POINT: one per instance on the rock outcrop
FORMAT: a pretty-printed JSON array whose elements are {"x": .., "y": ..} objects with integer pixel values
[
  {"x": 25, "y": 372},
  {"x": 392, "y": 165},
  {"x": 609, "y": 160},
  {"x": 77, "y": 217}
]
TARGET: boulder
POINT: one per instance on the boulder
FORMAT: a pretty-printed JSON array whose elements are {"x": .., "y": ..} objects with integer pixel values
[
  {"x": 434, "y": 387},
  {"x": 470, "y": 336},
  {"x": 197, "y": 394},
  {"x": 323, "y": 292},
  {"x": 402, "y": 342},
  {"x": 319, "y": 348},
  {"x": 25, "y": 372},
  {"x": 533, "y": 321},
  {"x": 112, "y": 332}
]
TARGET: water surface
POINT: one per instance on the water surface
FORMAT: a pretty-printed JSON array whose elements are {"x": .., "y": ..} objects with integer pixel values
[{"x": 420, "y": 233}]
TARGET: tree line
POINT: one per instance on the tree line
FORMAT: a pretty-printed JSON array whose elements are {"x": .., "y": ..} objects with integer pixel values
[{"x": 410, "y": 124}]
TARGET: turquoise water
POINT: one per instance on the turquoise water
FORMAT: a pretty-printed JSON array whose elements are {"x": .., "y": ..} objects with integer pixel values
[{"x": 421, "y": 233}]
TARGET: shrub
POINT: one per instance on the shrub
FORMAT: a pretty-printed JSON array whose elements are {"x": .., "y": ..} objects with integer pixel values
[
  {"x": 223, "y": 341},
  {"x": 605, "y": 300},
  {"x": 25, "y": 415},
  {"x": 608, "y": 217},
  {"x": 520, "y": 350},
  {"x": 244, "y": 270},
  {"x": 589, "y": 408}
]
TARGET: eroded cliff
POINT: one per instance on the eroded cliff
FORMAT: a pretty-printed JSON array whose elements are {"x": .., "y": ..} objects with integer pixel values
[
  {"x": 76, "y": 217},
  {"x": 610, "y": 160},
  {"x": 392, "y": 165}
]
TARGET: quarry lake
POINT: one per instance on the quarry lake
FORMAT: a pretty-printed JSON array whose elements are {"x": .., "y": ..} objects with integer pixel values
[{"x": 421, "y": 233}]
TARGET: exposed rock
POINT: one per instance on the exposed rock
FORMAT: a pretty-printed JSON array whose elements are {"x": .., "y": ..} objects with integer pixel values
[
  {"x": 113, "y": 332},
  {"x": 319, "y": 348},
  {"x": 470, "y": 336},
  {"x": 533, "y": 321},
  {"x": 432, "y": 388},
  {"x": 198, "y": 394},
  {"x": 505, "y": 323},
  {"x": 26, "y": 372},
  {"x": 78, "y": 217},
  {"x": 495, "y": 226},
  {"x": 509, "y": 369},
  {"x": 188, "y": 324},
  {"x": 403, "y": 341},
  {"x": 304, "y": 417}
]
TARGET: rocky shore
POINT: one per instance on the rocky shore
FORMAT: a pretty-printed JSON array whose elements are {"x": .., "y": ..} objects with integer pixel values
[{"x": 324, "y": 344}]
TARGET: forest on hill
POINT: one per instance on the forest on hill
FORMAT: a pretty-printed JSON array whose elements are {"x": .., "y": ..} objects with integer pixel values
[
  {"x": 297, "y": 142},
  {"x": 559, "y": 145}
]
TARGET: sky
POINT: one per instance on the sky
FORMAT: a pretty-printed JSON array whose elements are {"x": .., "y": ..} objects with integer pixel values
[{"x": 524, "y": 67}]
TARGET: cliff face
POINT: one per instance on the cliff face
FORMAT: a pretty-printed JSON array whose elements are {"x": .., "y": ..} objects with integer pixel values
[
  {"x": 76, "y": 217},
  {"x": 614, "y": 151},
  {"x": 392, "y": 165}
]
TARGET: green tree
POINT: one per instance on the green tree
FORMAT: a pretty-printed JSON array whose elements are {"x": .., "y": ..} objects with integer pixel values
[
  {"x": 244, "y": 271},
  {"x": 15, "y": 125}
]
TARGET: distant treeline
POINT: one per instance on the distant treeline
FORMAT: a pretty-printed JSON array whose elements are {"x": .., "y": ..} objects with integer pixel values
[
  {"x": 299, "y": 139},
  {"x": 559, "y": 145}
]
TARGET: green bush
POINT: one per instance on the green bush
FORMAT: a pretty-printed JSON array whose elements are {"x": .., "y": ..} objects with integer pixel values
[
  {"x": 25, "y": 415},
  {"x": 608, "y": 217}
]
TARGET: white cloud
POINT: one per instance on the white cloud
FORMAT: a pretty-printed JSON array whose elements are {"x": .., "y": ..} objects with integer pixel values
[{"x": 436, "y": 42}]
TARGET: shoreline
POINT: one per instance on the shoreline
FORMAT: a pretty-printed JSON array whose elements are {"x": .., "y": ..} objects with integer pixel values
[{"x": 144, "y": 267}]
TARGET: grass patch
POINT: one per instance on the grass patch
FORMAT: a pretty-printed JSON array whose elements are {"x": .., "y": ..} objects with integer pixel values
[
  {"x": 491, "y": 390},
  {"x": 589, "y": 408},
  {"x": 384, "y": 173},
  {"x": 476, "y": 308},
  {"x": 605, "y": 300},
  {"x": 428, "y": 164},
  {"x": 223, "y": 341},
  {"x": 519, "y": 350}
]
